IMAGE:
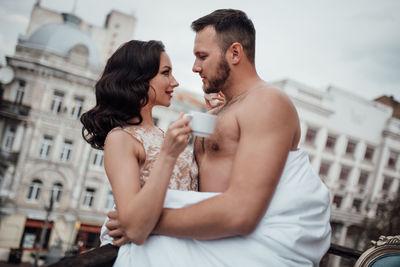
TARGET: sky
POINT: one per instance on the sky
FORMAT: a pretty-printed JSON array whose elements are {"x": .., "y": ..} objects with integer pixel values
[{"x": 353, "y": 45}]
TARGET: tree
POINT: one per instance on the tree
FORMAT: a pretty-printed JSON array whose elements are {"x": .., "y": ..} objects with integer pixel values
[{"x": 386, "y": 222}]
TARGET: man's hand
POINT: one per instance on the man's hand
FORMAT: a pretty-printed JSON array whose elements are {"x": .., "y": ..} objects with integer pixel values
[
  {"x": 214, "y": 100},
  {"x": 115, "y": 230}
]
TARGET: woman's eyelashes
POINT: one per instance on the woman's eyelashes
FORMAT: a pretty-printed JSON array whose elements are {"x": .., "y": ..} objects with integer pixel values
[{"x": 166, "y": 71}]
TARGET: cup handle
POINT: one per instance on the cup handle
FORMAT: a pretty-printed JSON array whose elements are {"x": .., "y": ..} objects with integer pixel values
[{"x": 188, "y": 115}]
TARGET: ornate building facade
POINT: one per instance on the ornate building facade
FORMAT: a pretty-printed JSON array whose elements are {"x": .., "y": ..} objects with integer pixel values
[
  {"x": 42, "y": 152},
  {"x": 56, "y": 65},
  {"x": 354, "y": 145}
]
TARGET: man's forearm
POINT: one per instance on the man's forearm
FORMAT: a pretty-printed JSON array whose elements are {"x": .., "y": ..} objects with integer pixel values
[
  {"x": 210, "y": 219},
  {"x": 173, "y": 223}
]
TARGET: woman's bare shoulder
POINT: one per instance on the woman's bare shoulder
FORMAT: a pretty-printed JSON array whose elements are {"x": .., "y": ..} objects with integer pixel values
[{"x": 120, "y": 139}]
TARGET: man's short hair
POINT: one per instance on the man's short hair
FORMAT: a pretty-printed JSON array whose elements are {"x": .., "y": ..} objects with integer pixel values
[{"x": 231, "y": 26}]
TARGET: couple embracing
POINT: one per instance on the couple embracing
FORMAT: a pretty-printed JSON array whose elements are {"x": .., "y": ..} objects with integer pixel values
[{"x": 246, "y": 195}]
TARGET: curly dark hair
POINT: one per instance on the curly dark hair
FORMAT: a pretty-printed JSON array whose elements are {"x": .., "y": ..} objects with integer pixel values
[{"x": 122, "y": 90}]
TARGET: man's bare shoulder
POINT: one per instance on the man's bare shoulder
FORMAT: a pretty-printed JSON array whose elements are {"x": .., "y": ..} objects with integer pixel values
[
  {"x": 267, "y": 109},
  {"x": 266, "y": 97}
]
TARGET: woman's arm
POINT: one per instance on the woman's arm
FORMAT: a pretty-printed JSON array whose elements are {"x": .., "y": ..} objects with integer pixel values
[{"x": 139, "y": 209}]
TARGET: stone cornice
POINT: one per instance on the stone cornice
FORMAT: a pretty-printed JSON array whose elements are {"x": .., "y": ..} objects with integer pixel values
[
  {"x": 299, "y": 103},
  {"x": 393, "y": 135},
  {"x": 40, "y": 68},
  {"x": 346, "y": 216}
]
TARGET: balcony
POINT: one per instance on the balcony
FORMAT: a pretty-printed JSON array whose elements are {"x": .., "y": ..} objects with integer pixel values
[
  {"x": 13, "y": 110},
  {"x": 11, "y": 157}
]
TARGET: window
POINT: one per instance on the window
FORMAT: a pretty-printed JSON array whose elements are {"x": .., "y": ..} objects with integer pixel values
[
  {"x": 34, "y": 189},
  {"x": 79, "y": 55},
  {"x": 344, "y": 174},
  {"x": 392, "y": 159},
  {"x": 353, "y": 232},
  {"x": 20, "y": 92},
  {"x": 57, "y": 192},
  {"x": 336, "y": 231},
  {"x": 324, "y": 169},
  {"x": 56, "y": 104},
  {"x": 381, "y": 209},
  {"x": 363, "y": 179},
  {"x": 110, "y": 200},
  {"x": 387, "y": 183},
  {"x": 8, "y": 138},
  {"x": 66, "y": 151},
  {"x": 88, "y": 237},
  {"x": 330, "y": 142},
  {"x": 351, "y": 146},
  {"x": 88, "y": 197},
  {"x": 77, "y": 107},
  {"x": 369, "y": 153},
  {"x": 310, "y": 135},
  {"x": 45, "y": 147},
  {"x": 98, "y": 158},
  {"x": 31, "y": 236},
  {"x": 357, "y": 204},
  {"x": 337, "y": 200}
]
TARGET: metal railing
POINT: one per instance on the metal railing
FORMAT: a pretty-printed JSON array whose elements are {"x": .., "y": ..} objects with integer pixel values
[{"x": 7, "y": 107}]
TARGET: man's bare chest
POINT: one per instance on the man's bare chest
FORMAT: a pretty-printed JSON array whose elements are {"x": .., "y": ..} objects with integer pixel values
[{"x": 224, "y": 140}]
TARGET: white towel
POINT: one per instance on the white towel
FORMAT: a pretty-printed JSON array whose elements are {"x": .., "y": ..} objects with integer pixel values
[{"x": 295, "y": 230}]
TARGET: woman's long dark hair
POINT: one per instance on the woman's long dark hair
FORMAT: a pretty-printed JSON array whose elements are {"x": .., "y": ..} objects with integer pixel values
[{"x": 122, "y": 89}]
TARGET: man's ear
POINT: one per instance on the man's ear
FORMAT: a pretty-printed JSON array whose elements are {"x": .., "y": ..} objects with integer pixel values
[{"x": 236, "y": 53}]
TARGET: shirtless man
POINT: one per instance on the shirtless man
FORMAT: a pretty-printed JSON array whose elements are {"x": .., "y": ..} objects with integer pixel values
[{"x": 257, "y": 128}]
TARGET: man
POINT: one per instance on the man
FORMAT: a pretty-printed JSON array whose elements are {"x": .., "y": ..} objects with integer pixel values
[{"x": 246, "y": 158}]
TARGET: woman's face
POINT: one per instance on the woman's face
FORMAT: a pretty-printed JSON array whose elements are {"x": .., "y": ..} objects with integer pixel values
[{"x": 163, "y": 84}]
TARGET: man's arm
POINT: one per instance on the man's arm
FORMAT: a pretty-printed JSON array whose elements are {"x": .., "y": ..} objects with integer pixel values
[{"x": 268, "y": 123}]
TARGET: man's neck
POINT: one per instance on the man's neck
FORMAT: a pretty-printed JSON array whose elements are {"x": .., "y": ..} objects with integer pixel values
[{"x": 241, "y": 85}]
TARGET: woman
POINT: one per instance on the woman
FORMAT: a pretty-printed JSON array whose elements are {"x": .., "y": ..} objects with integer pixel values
[{"x": 140, "y": 161}]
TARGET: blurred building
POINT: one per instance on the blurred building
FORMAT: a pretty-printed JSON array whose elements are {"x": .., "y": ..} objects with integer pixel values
[
  {"x": 354, "y": 145},
  {"x": 56, "y": 65},
  {"x": 42, "y": 152}
]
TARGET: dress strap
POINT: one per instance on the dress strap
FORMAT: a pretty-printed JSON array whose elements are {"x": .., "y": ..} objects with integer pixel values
[{"x": 134, "y": 134}]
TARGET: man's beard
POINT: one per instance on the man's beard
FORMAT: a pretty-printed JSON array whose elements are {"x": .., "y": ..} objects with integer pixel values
[{"x": 218, "y": 81}]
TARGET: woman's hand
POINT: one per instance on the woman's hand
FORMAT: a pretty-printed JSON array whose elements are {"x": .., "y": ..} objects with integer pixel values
[
  {"x": 214, "y": 100},
  {"x": 115, "y": 230},
  {"x": 176, "y": 138}
]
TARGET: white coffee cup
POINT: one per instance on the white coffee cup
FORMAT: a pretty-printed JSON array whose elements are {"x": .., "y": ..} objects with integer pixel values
[{"x": 202, "y": 124}]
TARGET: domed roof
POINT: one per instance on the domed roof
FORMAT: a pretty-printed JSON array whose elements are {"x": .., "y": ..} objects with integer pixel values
[{"x": 60, "y": 39}]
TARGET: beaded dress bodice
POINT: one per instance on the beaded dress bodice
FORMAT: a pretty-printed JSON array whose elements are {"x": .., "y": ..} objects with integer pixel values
[{"x": 185, "y": 173}]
